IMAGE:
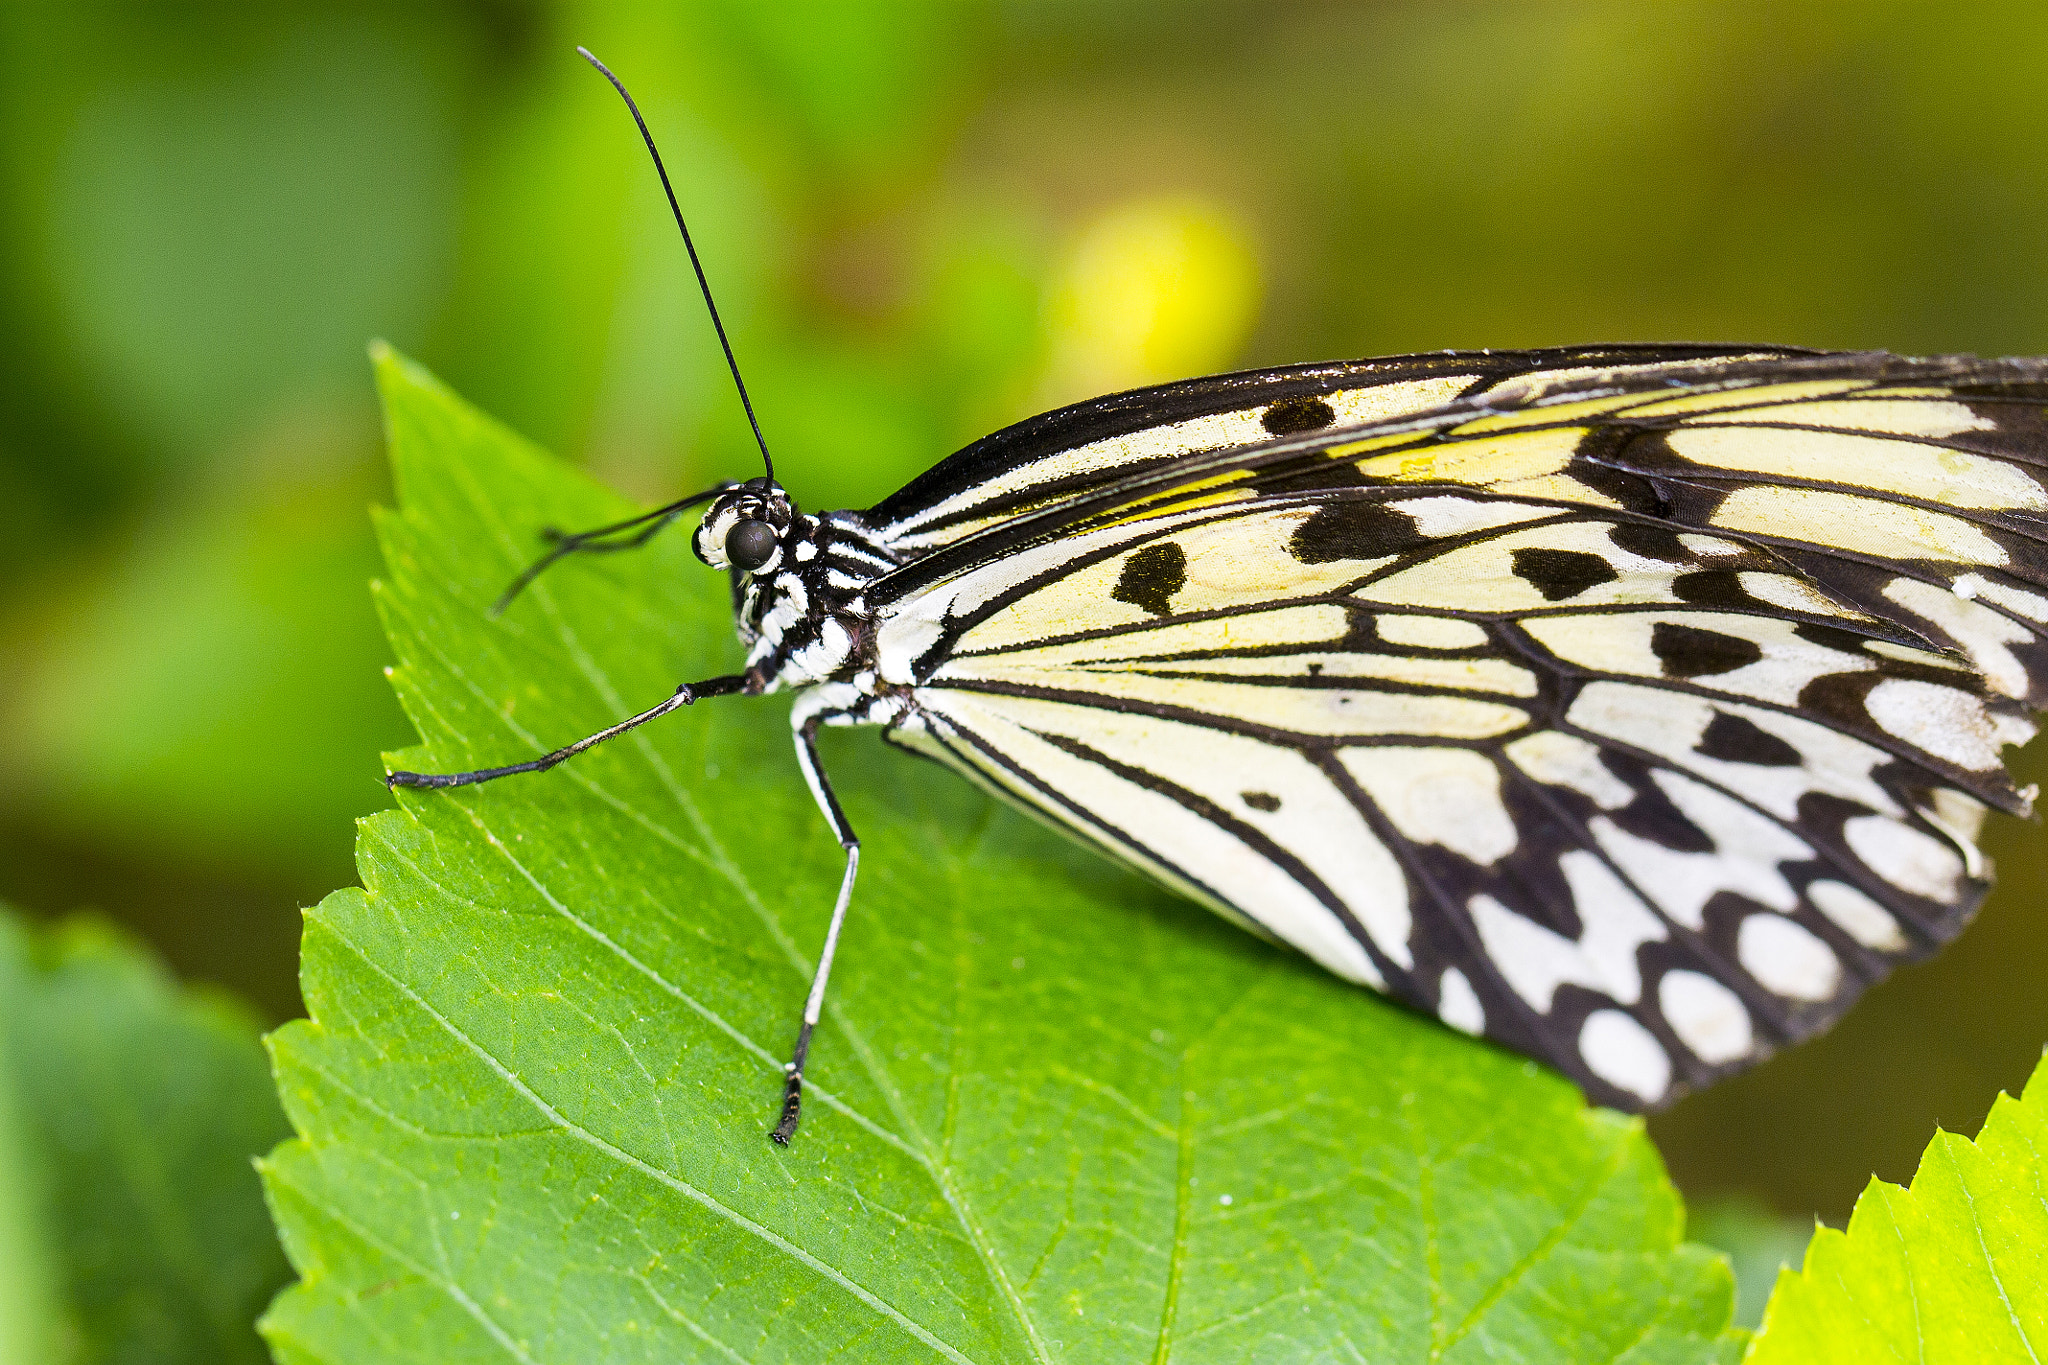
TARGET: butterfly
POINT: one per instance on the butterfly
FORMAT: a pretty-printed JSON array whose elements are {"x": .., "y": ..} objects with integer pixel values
[{"x": 1633, "y": 707}]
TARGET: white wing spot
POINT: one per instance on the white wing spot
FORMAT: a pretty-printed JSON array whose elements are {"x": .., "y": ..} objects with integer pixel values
[
  {"x": 1672, "y": 727},
  {"x": 1961, "y": 817},
  {"x": 1844, "y": 521},
  {"x": 2012, "y": 730},
  {"x": 1624, "y": 1054},
  {"x": 1533, "y": 960},
  {"x": 1561, "y": 760},
  {"x": 1915, "y": 862},
  {"x": 1449, "y": 516},
  {"x": 1792, "y": 594},
  {"x": 1786, "y": 958},
  {"x": 1458, "y": 1004},
  {"x": 1449, "y": 797},
  {"x": 1707, "y": 1016},
  {"x": 1911, "y": 469},
  {"x": 1982, "y": 632},
  {"x": 1857, "y": 915},
  {"x": 1748, "y": 847},
  {"x": 1926, "y": 658},
  {"x": 1629, "y": 643},
  {"x": 1383, "y": 402},
  {"x": 1708, "y": 547},
  {"x": 1944, "y": 721},
  {"x": 1614, "y": 923},
  {"x": 1887, "y": 416}
]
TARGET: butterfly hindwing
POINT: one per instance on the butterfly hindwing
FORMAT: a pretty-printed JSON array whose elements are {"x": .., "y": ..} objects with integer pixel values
[{"x": 1562, "y": 712}]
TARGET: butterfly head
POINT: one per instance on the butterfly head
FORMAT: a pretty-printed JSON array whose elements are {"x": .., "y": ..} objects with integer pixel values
[{"x": 746, "y": 527}]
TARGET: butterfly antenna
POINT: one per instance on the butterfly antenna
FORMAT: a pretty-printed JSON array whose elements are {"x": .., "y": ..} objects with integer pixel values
[
  {"x": 767, "y": 463},
  {"x": 645, "y": 527}
]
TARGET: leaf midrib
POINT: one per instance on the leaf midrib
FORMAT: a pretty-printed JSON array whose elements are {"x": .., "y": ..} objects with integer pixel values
[{"x": 1962, "y": 1180}]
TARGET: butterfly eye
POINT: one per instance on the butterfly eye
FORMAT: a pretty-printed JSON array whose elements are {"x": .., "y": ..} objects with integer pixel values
[{"x": 750, "y": 543}]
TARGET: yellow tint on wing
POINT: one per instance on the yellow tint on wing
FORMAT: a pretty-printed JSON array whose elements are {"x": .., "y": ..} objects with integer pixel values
[{"x": 1717, "y": 400}]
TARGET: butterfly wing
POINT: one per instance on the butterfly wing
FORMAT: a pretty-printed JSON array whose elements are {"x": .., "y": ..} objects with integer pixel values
[
  {"x": 1058, "y": 456},
  {"x": 1636, "y": 720}
]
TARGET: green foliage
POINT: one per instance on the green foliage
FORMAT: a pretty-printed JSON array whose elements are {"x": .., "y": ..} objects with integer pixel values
[
  {"x": 1954, "y": 1268},
  {"x": 205, "y": 208},
  {"x": 1055, "y": 1114},
  {"x": 1757, "y": 1242},
  {"x": 144, "y": 718},
  {"x": 131, "y": 1225}
]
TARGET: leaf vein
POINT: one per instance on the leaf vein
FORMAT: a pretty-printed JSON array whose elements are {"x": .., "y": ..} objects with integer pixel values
[{"x": 700, "y": 1197}]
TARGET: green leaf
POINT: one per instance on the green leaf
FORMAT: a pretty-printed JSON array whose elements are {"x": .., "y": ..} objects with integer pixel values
[
  {"x": 131, "y": 1225},
  {"x": 1952, "y": 1268},
  {"x": 1056, "y": 1114}
]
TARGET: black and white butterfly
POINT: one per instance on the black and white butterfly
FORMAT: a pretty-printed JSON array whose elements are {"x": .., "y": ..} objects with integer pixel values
[{"x": 1633, "y": 707}]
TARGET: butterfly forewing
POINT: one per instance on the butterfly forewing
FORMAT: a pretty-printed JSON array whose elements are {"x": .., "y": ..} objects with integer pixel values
[
  {"x": 1103, "y": 444},
  {"x": 1634, "y": 717}
]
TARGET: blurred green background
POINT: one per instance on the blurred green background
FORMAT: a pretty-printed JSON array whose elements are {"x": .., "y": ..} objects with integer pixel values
[{"x": 924, "y": 220}]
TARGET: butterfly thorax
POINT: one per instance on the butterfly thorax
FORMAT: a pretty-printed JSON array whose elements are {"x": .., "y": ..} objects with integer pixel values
[{"x": 800, "y": 613}]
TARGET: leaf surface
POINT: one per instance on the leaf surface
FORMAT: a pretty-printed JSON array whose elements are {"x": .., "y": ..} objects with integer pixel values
[
  {"x": 1055, "y": 1114},
  {"x": 1952, "y": 1268},
  {"x": 132, "y": 1227}
]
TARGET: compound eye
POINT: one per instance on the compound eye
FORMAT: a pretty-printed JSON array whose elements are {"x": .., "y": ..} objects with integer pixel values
[{"x": 750, "y": 543}]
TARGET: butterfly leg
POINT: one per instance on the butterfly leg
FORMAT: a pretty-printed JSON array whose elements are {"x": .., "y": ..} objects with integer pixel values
[
  {"x": 828, "y": 803},
  {"x": 684, "y": 695}
]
